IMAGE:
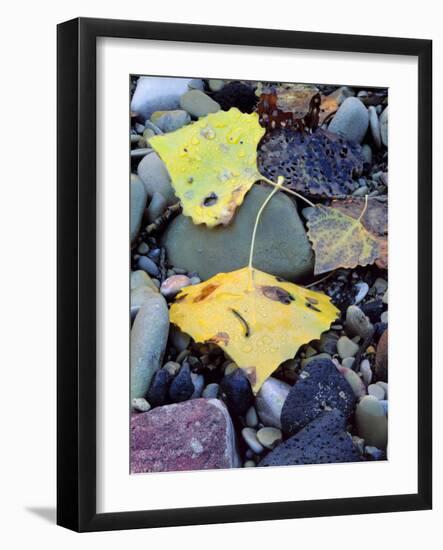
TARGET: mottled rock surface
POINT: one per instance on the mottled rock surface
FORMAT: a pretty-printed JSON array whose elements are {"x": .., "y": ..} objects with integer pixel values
[{"x": 194, "y": 435}]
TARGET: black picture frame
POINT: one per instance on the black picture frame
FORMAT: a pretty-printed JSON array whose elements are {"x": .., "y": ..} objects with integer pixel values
[{"x": 76, "y": 293}]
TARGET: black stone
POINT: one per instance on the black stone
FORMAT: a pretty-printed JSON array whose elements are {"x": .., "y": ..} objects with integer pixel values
[
  {"x": 320, "y": 387},
  {"x": 373, "y": 309},
  {"x": 236, "y": 94},
  {"x": 323, "y": 441},
  {"x": 238, "y": 393},
  {"x": 181, "y": 387},
  {"x": 157, "y": 394}
]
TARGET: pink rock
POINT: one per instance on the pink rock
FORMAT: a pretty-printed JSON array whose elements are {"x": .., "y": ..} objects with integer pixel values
[
  {"x": 193, "y": 435},
  {"x": 172, "y": 285}
]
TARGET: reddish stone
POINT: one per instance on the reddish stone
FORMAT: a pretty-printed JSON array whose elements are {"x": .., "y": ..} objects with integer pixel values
[
  {"x": 381, "y": 359},
  {"x": 193, "y": 435}
]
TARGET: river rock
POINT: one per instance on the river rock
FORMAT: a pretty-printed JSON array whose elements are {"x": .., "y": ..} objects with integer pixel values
[
  {"x": 323, "y": 441},
  {"x": 140, "y": 278},
  {"x": 149, "y": 335},
  {"x": 374, "y": 124},
  {"x": 269, "y": 401},
  {"x": 371, "y": 422},
  {"x": 250, "y": 437},
  {"x": 237, "y": 391},
  {"x": 159, "y": 94},
  {"x": 172, "y": 285},
  {"x": 357, "y": 323},
  {"x": 148, "y": 265},
  {"x": 211, "y": 390},
  {"x": 346, "y": 347},
  {"x": 354, "y": 380},
  {"x": 381, "y": 358},
  {"x": 351, "y": 120},
  {"x": 140, "y": 294},
  {"x": 269, "y": 437},
  {"x": 156, "y": 207},
  {"x": 158, "y": 390},
  {"x": 138, "y": 204},
  {"x": 169, "y": 121},
  {"x": 384, "y": 126},
  {"x": 283, "y": 252},
  {"x": 194, "y": 435},
  {"x": 198, "y": 104},
  {"x": 155, "y": 176},
  {"x": 320, "y": 387},
  {"x": 181, "y": 387}
]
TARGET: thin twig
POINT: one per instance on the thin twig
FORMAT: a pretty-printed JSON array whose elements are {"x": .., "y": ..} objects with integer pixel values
[
  {"x": 364, "y": 208},
  {"x": 159, "y": 222},
  {"x": 321, "y": 280}
]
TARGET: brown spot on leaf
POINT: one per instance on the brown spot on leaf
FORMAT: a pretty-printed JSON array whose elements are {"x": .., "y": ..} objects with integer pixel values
[
  {"x": 206, "y": 291},
  {"x": 277, "y": 294},
  {"x": 220, "y": 338},
  {"x": 251, "y": 374}
]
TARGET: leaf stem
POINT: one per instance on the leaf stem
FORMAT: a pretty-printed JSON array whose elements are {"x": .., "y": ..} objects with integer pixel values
[
  {"x": 264, "y": 178},
  {"x": 364, "y": 208},
  {"x": 277, "y": 186}
]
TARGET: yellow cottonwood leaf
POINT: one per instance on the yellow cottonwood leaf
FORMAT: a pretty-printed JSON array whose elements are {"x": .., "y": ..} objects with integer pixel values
[
  {"x": 258, "y": 319},
  {"x": 339, "y": 240},
  {"x": 212, "y": 163}
]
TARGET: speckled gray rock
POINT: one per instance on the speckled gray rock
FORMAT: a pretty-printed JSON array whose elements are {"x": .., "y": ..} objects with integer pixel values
[
  {"x": 320, "y": 387},
  {"x": 155, "y": 176},
  {"x": 138, "y": 204},
  {"x": 198, "y": 104},
  {"x": 351, "y": 120},
  {"x": 149, "y": 335},
  {"x": 323, "y": 441},
  {"x": 286, "y": 253},
  {"x": 169, "y": 121},
  {"x": 269, "y": 401},
  {"x": 159, "y": 94}
]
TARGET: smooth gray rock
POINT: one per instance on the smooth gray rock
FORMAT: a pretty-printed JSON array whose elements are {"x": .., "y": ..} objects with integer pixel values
[
  {"x": 169, "y": 121},
  {"x": 269, "y": 401},
  {"x": 155, "y": 176},
  {"x": 281, "y": 247},
  {"x": 159, "y": 94},
  {"x": 351, "y": 120},
  {"x": 384, "y": 126},
  {"x": 138, "y": 204},
  {"x": 211, "y": 390},
  {"x": 149, "y": 335},
  {"x": 371, "y": 422},
  {"x": 140, "y": 278},
  {"x": 148, "y": 265},
  {"x": 156, "y": 207},
  {"x": 374, "y": 124},
  {"x": 198, "y": 104}
]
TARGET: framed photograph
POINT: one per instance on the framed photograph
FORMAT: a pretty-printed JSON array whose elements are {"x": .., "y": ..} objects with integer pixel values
[{"x": 244, "y": 274}]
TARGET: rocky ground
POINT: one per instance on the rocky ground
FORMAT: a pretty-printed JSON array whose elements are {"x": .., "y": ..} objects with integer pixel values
[{"x": 192, "y": 408}]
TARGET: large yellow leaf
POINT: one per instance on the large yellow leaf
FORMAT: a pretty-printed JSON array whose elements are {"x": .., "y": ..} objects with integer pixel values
[
  {"x": 258, "y": 319},
  {"x": 212, "y": 163},
  {"x": 339, "y": 240}
]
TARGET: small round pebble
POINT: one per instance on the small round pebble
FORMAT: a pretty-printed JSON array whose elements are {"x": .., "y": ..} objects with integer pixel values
[
  {"x": 366, "y": 371},
  {"x": 143, "y": 248},
  {"x": 269, "y": 437},
  {"x": 249, "y": 464},
  {"x": 140, "y": 404},
  {"x": 362, "y": 290},
  {"x": 348, "y": 362},
  {"x": 251, "y": 417},
  {"x": 172, "y": 367},
  {"x": 346, "y": 347},
  {"x": 230, "y": 368},
  {"x": 384, "y": 317},
  {"x": 199, "y": 382},
  {"x": 172, "y": 285},
  {"x": 148, "y": 265},
  {"x": 250, "y": 437},
  {"x": 377, "y": 391}
]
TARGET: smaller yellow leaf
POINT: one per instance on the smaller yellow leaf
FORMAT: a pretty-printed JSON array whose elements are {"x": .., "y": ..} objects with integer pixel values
[
  {"x": 339, "y": 240},
  {"x": 212, "y": 163},
  {"x": 256, "y": 318}
]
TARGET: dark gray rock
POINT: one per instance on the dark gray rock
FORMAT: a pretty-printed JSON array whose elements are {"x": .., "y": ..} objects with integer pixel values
[
  {"x": 237, "y": 391},
  {"x": 147, "y": 265},
  {"x": 320, "y": 387},
  {"x": 181, "y": 387},
  {"x": 323, "y": 441},
  {"x": 285, "y": 252},
  {"x": 158, "y": 390}
]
